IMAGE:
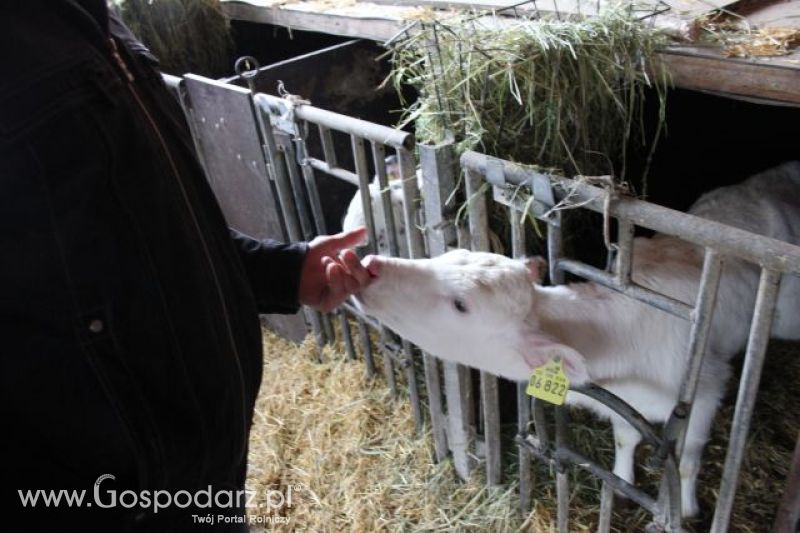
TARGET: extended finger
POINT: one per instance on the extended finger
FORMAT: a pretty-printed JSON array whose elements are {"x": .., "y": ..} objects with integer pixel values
[
  {"x": 347, "y": 239},
  {"x": 355, "y": 268}
]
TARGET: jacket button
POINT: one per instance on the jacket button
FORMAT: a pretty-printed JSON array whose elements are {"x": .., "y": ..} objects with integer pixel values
[{"x": 96, "y": 326}]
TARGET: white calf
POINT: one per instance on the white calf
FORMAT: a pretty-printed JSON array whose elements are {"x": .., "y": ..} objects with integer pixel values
[{"x": 488, "y": 311}]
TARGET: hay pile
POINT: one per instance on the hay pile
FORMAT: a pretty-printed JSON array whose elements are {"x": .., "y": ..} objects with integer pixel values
[
  {"x": 352, "y": 451},
  {"x": 339, "y": 436},
  {"x": 557, "y": 92},
  {"x": 185, "y": 35},
  {"x": 738, "y": 39}
]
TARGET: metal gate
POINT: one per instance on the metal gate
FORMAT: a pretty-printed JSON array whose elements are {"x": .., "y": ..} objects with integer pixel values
[
  {"x": 294, "y": 133},
  {"x": 719, "y": 241}
]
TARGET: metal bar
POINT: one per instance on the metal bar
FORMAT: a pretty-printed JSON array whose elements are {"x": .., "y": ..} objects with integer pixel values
[
  {"x": 618, "y": 405},
  {"x": 523, "y": 400},
  {"x": 787, "y": 519},
  {"x": 479, "y": 231},
  {"x": 277, "y": 168},
  {"x": 458, "y": 391},
  {"x": 317, "y": 214},
  {"x": 388, "y": 222},
  {"x": 413, "y": 388},
  {"x": 290, "y": 157},
  {"x": 540, "y": 425},
  {"x": 328, "y": 151},
  {"x": 606, "y": 508},
  {"x": 745, "y": 400},
  {"x": 555, "y": 246},
  {"x": 366, "y": 345},
  {"x": 562, "y": 481},
  {"x": 727, "y": 240},
  {"x": 438, "y": 179},
  {"x": 525, "y": 472},
  {"x": 411, "y": 199},
  {"x": 388, "y": 362},
  {"x": 655, "y": 299},
  {"x": 327, "y": 326},
  {"x": 347, "y": 335},
  {"x": 336, "y": 172},
  {"x": 360, "y": 158},
  {"x": 624, "y": 253},
  {"x": 368, "y": 320},
  {"x": 702, "y": 318},
  {"x": 579, "y": 460},
  {"x": 335, "y": 121}
]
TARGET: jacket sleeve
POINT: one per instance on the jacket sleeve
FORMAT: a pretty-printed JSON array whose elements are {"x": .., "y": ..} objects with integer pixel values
[{"x": 273, "y": 269}]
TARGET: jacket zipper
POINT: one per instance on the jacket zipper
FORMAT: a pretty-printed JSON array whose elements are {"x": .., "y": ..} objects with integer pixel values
[{"x": 128, "y": 75}]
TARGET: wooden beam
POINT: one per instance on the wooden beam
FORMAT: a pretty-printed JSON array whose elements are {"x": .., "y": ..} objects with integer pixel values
[
  {"x": 709, "y": 70},
  {"x": 697, "y": 68},
  {"x": 376, "y": 29}
]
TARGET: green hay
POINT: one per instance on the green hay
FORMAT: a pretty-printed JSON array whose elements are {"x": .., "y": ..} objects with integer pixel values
[{"x": 558, "y": 93}]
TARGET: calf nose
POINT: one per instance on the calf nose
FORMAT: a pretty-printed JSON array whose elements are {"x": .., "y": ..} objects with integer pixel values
[{"x": 373, "y": 265}]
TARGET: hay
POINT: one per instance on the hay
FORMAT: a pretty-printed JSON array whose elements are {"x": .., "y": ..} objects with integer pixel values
[
  {"x": 338, "y": 435},
  {"x": 738, "y": 39},
  {"x": 558, "y": 93},
  {"x": 185, "y": 35},
  {"x": 352, "y": 451}
]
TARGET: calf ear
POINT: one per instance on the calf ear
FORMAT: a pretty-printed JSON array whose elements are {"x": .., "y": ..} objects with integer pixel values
[
  {"x": 540, "y": 349},
  {"x": 537, "y": 268}
]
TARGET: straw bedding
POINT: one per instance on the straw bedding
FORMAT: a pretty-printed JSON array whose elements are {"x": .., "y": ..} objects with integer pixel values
[{"x": 354, "y": 462}]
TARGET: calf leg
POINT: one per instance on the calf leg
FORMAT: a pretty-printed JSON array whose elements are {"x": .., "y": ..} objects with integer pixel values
[
  {"x": 697, "y": 433},
  {"x": 626, "y": 438}
]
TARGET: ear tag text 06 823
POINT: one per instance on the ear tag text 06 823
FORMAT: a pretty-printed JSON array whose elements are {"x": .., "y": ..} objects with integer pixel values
[{"x": 549, "y": 382}]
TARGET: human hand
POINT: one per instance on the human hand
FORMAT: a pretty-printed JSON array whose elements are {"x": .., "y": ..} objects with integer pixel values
[{"x": 332, "y": 271}]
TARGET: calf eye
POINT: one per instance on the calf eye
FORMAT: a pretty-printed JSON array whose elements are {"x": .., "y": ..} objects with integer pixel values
[{"x": 460, "y": 306}]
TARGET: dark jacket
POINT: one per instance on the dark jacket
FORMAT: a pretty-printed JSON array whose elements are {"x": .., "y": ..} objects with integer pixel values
[{"x": 129, "y": 334}]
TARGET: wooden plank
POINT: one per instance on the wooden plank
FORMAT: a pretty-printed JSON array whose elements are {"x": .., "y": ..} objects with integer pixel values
[
  {"x": 374, "y": 28},
  {"x": 775, "y": 79}
]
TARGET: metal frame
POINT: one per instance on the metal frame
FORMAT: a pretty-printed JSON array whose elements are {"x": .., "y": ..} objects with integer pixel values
[
  {"x": 720, "y": 241},
  {"x": 284, "y": 123},
  {"x": 458, "y": 428}
]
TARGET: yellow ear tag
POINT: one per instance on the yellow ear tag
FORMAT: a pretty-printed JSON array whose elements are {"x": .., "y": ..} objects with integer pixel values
[{"x": 549, "y": 382}]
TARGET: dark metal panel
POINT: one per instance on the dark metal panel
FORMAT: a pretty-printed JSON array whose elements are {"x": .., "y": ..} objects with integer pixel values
[
  {"x": 224, "y": 123},
  {"x": 226, "y": 127}
]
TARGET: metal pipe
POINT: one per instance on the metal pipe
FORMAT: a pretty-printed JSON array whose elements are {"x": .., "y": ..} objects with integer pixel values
[
  {"x": 606, "y": 508},
  {"x": 562, "y": 481},
  {"x": 655, "y": 299},
  {"x": 727, "y": 240},
  {"x": 360, "y": 158},
  {"x": 296, "y": 182},
  {"x": 347, "y": 335},
  {"x": 437, "y": 172},
  {"x": 787, "y": 519},
  {"x": 624, "y": 253},
  {"x": 366, "y": 346},
  {"x": 411, "y": 199},
  {"x": 328, "y": 151},
  {"x": 335, "y": 121},
  {"x": 617, "y": 483},
  {"x": 523, "y": 400},
  {"x": 413, "y": 389},
  {"x": 378, "y": 157},
  {"x": 745, "y": 400},
  {"x": 479, "y": 232},
  {"x": 336, "y": 172}
]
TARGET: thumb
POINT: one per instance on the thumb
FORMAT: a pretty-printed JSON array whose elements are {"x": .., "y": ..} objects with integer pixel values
[{"x": 347, "y": 239}]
